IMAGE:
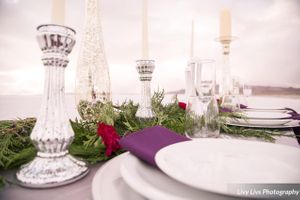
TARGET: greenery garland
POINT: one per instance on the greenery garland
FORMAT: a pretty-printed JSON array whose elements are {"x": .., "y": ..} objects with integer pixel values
[{"x": 16, "y": 147}]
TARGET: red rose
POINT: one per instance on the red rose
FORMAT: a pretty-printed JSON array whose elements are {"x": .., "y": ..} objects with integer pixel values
[
  {"x": 109, "y": 137},
  {"x": 182, "y": 105}
]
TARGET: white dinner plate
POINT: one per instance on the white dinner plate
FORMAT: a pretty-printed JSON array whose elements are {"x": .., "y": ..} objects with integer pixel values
[
  {"x": 265, "y": 115},
  {"x": 108, "y": 184},
  {"x": 291, "y": 124},
  {"x": 279, "y": 110},
  {"x": 214, "y": 164},
  {"x": 258, "y": 122},
  {"x": 152, "y": 183}
]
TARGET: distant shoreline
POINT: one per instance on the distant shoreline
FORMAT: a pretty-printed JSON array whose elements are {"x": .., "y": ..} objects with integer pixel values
[
  {"x": 289, "y": 92},
  {"x": 264, "y": 91}
]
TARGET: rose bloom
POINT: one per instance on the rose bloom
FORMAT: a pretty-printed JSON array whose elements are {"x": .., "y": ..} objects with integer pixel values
[
  {"x": 182, "y": 105},
  {"x": 109, "y": 137}
]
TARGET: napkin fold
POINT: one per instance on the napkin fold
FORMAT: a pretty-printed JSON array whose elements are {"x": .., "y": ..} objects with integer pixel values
[{"x": 146, "y": 143}]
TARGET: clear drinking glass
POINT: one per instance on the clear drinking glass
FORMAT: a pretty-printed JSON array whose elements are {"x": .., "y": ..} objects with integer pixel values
[
  {"x": 247, "y": 92},
  {"x": 202, "y": 109},
  {"x": 232, "y": 100}
]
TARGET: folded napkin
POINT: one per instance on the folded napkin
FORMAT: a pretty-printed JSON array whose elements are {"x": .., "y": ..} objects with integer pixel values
[
  {"x": 297, "y": 133},
  {"x": 146, "y": 143},
  {"x": 295, "y": 116}
]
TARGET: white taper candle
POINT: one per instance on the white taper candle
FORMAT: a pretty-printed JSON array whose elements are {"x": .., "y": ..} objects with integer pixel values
[
  {"x": 225, "y": 23},
  {"x": 145, "y": 42},
  {"x": 58, "y": 12}
]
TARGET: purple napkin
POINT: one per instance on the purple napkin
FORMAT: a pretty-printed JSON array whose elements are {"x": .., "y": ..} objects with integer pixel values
[
  {"x": 146, "y": 143},
  {"x": 242, "y": 106},
  {"x": 294, "y": 115},
  {"x": 297, "y": 133}
]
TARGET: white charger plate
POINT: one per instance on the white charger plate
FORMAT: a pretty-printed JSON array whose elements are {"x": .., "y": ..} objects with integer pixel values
[
  {"x": 109, "y": 185},
  {"x": 154, "y": 184},
  {"x": 214, "y": 164}
]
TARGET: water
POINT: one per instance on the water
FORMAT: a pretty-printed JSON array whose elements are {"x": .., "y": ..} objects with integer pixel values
[{"x": 13, "y": 107}]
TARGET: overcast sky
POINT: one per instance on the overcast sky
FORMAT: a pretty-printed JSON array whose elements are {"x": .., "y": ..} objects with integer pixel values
[{"x": 267, "y": 51}]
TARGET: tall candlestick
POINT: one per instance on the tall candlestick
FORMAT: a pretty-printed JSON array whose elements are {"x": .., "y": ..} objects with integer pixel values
[
  {"x": 192, "y": 40},
  {"x": 225, "y": 23},
  {"x": 145, "y": 69},
  {"x": 58, "y": 12},
  {"x": 52, "y": 134},
  {"x": 145, "y": 42}
]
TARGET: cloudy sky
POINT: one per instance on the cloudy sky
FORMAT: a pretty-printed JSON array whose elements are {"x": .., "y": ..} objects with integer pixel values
[{"x": 265, "y": 53}]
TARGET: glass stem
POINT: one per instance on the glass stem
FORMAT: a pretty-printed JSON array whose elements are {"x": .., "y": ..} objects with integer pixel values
[
  {"x": 146, "y": 94},
  {"x": 226, "y": 73}
]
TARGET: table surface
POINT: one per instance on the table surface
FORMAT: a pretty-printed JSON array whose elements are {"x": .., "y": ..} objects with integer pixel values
[{"x": 80, "y": 190}]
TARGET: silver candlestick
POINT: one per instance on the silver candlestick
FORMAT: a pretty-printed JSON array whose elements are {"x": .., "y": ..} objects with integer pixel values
[
  {"x": 145, "y": 69},
  {"x": 52, "y": 133}
]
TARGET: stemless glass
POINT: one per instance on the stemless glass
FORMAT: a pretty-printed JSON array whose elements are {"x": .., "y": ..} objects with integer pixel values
[
  {"x": 232, "y": 101},
  {"x": 247, "y": 92},
  {"x": 202, "y": 110}
]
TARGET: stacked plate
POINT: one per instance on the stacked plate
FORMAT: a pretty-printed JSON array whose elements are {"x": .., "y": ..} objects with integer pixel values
[
  {"x": 264, "y": 118},
  {"x": 198, "y": 169}
]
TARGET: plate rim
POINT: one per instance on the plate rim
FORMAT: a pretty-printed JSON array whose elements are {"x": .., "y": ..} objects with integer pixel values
[
  {"x": 149, "y": 192},
  {"x": 101, "y": 171}
]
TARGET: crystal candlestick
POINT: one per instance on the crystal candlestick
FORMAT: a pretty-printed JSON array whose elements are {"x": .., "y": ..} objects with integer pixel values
[
  {"x": 145, "y": 69},
  {"x": 225, "y": 85},
  {"x": 226, "y": 81},
  {"x": 52, "y": 133}
]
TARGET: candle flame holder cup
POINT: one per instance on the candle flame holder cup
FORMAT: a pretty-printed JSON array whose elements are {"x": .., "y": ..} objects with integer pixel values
[
  {"x": 225, "y": 42},
  {"x": 145, "y": 69},
  {"x": 52, "y": 134}
]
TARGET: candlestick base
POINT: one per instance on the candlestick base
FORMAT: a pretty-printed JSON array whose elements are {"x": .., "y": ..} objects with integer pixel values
[
  {"x": 64, "y": 170},
  {"x": 145, "y": 69}
]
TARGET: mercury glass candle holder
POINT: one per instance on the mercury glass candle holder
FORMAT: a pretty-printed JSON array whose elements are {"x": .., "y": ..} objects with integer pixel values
[
  {"x": 92, "y": 76},
  {"x": 52, "y": 133},
  {"x": 145, "y": 69}
]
